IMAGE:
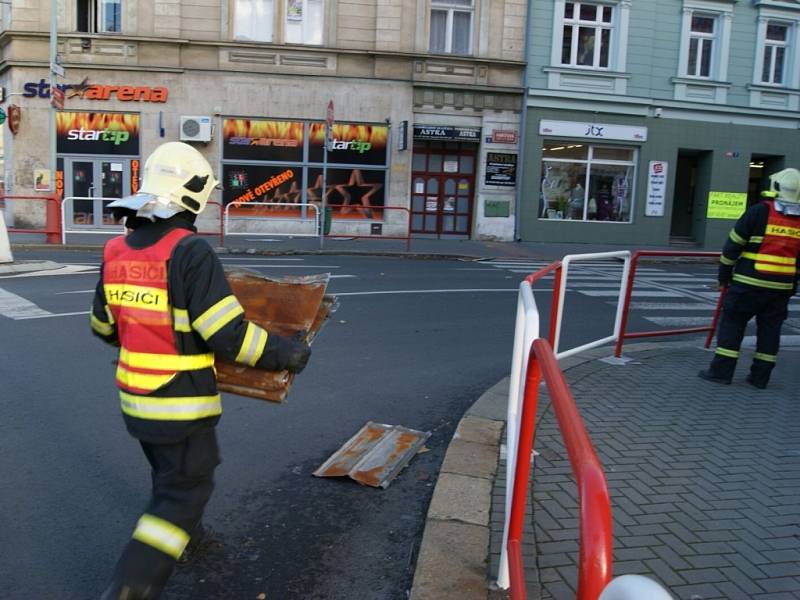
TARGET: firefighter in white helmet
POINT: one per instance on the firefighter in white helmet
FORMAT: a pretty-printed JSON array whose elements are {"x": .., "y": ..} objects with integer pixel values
[
  {"x": 760, "y": 264},
  {"x": 163, "y": 299}
]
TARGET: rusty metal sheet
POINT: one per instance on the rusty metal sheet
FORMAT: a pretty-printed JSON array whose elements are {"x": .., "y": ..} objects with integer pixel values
[
  {"x": 375, "y": 455},
  {"x": 284, "y": 306}
]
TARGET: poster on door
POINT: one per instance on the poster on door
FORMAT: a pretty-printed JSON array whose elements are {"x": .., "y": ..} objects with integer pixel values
[
  {"x": 97, "y": 133},
  {"x": 656, "y": 188}
]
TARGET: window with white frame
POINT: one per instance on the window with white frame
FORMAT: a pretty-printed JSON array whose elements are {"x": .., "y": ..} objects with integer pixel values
[
  {"x": 701, "y": 45},
  {"x": 776, "y": 48},
  {"x": 451, "y": 26},
  {"x": 586, "y": 182},
  {"x": 586, "y": 34},
  {"x": 304, "y": 19},
  {"x": 253, "y": 20},
  {"x": 99, "y": 16}
]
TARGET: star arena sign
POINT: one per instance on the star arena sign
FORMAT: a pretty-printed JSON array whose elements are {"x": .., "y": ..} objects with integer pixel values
[{"x": 91, "y": 91}]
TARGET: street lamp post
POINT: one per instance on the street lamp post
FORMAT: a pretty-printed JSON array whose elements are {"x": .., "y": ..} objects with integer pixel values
[{"x": 53, "y": 55}]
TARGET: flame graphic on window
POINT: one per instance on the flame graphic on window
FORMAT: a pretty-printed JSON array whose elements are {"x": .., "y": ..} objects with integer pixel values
[
  {"x": 251, "y": 128},
  {"x": 65, "y": 121},
  {"x": 374, "y": 134}
]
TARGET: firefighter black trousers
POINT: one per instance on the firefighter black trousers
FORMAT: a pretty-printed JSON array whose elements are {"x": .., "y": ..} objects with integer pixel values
[
  {"x": 742, "y": 303},
  {"x": 182, "y": 476}
]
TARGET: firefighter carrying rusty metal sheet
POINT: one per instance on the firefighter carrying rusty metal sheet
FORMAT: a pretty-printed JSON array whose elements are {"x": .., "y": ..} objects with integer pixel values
[
  {"x": 164, "y": 300},
  {"x": 759, "y": 267}
]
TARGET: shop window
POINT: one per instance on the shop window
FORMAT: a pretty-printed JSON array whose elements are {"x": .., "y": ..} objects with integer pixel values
[
  {"x": 451, "y": 26},
  {"x": 99, "y": 16},
  {"x": 304, "y": 20},
  {"x": 586, "y": 35},
  {"x": 582, "y": 182},
  {"x": 253, "y": 20}
]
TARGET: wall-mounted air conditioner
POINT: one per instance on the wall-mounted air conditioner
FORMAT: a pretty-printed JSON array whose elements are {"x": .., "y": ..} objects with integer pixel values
[{"x": 195, "y": 129}]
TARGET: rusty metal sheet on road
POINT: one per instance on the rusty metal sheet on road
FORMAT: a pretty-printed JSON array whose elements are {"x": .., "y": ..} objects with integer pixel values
[
  {"x": 375, "y": 455},
  {"x": 284, "y": 306}
]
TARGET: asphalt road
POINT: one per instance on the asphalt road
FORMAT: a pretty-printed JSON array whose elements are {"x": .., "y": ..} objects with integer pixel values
[{"x": 414, "y": 343}]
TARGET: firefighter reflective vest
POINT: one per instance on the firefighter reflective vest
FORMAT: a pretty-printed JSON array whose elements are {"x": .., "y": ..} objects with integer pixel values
[
  {"x": 135, "y": 284},
  {"x": 770, "y": 261}
]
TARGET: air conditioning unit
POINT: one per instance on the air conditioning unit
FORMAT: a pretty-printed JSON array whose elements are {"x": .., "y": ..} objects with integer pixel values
[{"x": 196, "y": 129}]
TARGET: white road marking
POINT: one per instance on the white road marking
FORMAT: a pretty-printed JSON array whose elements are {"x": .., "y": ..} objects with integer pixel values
[
  {"x": 263, "y": 258},
  {"x": 17, "y": 307},
  {"x": 75, "y": 292},
  {"x": 681, "y": 321},
  {"x": 257, "y": 266},
  {"x": 388, "y": 292},
  {"x": 65, "y": 270},
  {"x": 50, "y": 315},
  {"x": 636, "y": 294},
  {"x": 668, "y": 306}
]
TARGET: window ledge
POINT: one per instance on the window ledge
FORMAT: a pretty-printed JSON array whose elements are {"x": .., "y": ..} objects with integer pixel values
[
  {"x": 701, "y": 81},
  {"x": 587, "y": 71},
  {"x": 774, "y": 89},
  {"x": 777, "y": 4}
]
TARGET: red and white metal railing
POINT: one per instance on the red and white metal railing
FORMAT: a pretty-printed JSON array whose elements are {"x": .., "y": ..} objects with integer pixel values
[{"x": 628, "y": 292}]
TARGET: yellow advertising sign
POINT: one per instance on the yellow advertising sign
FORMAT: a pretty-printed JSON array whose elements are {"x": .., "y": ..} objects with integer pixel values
[{"x": 726, "y": 205}]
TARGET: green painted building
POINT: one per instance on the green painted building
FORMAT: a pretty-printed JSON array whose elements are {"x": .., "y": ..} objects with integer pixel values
[{"x": 656, "y": 121}]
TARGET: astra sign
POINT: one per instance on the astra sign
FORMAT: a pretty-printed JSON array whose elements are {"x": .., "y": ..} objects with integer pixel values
[{"x": 91, "y": 91}]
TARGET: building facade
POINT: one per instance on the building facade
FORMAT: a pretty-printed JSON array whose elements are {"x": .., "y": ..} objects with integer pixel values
[
  {"x": 656, "y": 121},
  {"x": 424, "y": 96}
]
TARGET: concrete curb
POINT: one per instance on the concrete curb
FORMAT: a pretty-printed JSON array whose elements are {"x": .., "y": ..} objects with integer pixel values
[
  {"x": 28, "y": 266},
  {"x": 455, "y": 552}
]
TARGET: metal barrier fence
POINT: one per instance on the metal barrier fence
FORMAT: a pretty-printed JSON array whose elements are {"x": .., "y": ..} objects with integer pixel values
[
  {"x": 52, "y": 228},
  {"x": 624, "y": 335},
  {"x": 314, "y": 221},
  {"x": 406, "y": 237},
  {"x": 69, "y": 202},
  {"x": 595, "y": 553}
]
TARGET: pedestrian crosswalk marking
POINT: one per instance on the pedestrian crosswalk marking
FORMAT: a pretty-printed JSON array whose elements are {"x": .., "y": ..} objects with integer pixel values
[
  {"x": 17, "y": 307},
  {"x": 635, "y": 294}
]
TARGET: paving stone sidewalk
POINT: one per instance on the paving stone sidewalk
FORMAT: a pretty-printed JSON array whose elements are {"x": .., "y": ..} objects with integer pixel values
[{"x": 704, "y": 482}]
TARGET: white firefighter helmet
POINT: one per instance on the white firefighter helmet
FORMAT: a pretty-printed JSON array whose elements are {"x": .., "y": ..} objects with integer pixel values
[
  {"x": 176, "y": 178},
  {"x": 786, "y": 186}
]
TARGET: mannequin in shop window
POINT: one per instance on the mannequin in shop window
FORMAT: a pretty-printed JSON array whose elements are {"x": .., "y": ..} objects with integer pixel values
[
  {"x": 605, "y": 204},
  {"x": 576, "y": 199}
]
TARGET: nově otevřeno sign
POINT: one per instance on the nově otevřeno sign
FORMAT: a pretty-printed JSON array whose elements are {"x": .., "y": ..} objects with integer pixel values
[{"x": 656, "y": 188}]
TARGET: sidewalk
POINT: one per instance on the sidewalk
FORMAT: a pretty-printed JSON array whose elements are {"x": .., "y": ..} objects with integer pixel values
[{"x": 704, "y": 482}]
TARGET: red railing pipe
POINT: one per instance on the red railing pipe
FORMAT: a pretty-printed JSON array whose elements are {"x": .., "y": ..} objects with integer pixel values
[
  {"x": 52, "y": 228},
  {"x": 623, "y": 335},
  {"x": 554, "y": 267},
  {"x": 595, "y": 555}
]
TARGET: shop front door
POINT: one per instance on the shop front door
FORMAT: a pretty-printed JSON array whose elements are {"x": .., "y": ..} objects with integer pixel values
[
  {"x": 92, "y": 182},
  {"x": 442, "y": 188}
]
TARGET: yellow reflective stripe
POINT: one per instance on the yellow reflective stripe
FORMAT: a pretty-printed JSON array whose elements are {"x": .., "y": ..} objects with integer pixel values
[
  {"x": 726, "y": 261},
  {"x": 180, "y": 317},
  {"x": 781, "y": 260},
  {"x": 253, "y": 344},
  {"x": 109, "y": 314},
  {"x": 727, "y": 352},
  {"x": 736, "y": 238},
  {"x": 101, "y": 327},
  {"x": 756, "y": 239},
  {"x": 216, "y": 317},
  {"x": 166, "y": 362},
  {"x": 182, "y": 408},
  {"x": 142, "y": 381},
  {"x": 161, "y": 535},
  {"x": 135, "y": 296},
  {"x": 766, "y": 357},
  {"x": 773, "y": 285},
  {"x": 775, "y": 268}
]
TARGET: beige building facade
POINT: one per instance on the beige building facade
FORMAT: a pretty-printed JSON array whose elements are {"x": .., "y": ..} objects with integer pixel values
[{"x": 425, "y": 97}]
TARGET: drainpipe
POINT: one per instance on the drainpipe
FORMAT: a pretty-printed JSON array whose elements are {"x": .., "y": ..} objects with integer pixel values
[{"x": 523, "y": 123}]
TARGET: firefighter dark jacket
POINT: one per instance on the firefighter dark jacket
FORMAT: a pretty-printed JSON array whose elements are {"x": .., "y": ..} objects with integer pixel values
[
  {"x": 763, "y": 250},
  {"x": 163, "y": 298}
]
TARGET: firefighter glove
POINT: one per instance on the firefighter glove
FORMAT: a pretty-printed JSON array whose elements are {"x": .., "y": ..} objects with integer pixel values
[{"x": 291, "y": 354}]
